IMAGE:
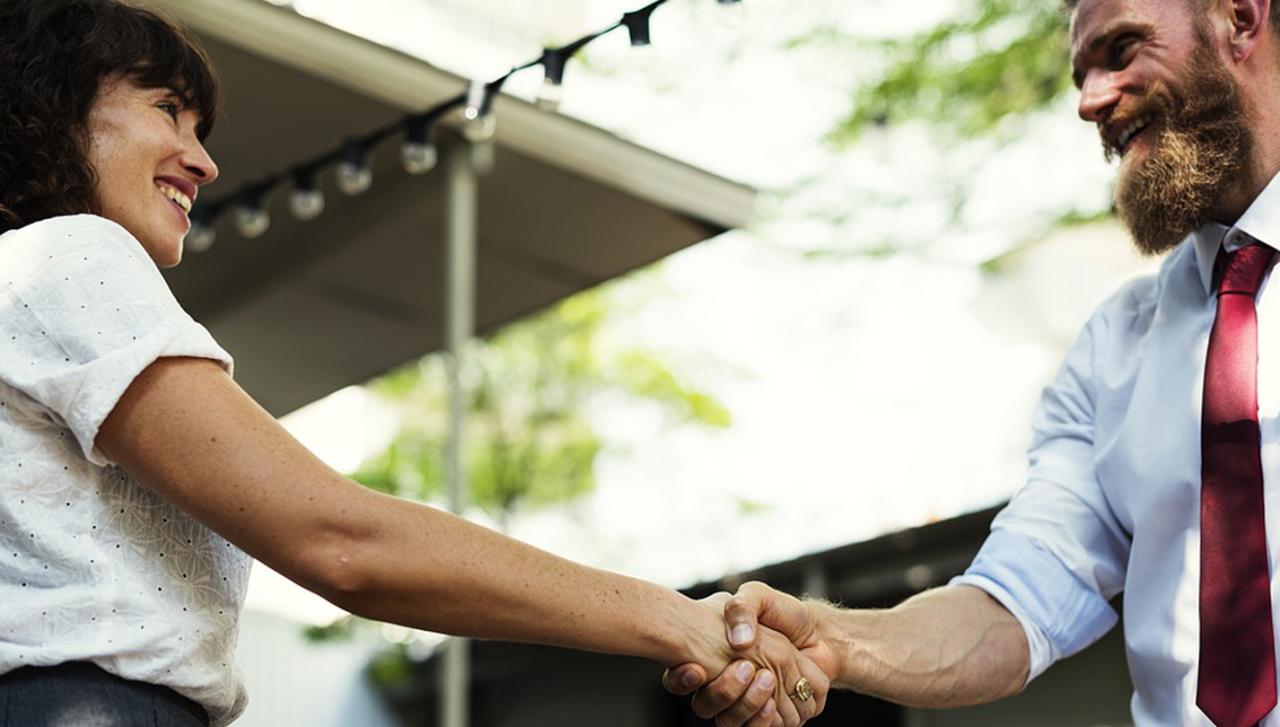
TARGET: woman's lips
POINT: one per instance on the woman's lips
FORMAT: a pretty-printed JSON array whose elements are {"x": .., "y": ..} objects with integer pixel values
[{"x": 186, "y": 221}]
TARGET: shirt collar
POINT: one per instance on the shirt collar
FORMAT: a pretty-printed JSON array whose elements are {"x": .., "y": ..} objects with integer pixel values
[{"x": 1261, "y": 223}]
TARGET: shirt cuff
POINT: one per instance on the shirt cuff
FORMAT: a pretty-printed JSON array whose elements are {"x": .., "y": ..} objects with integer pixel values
[
  {"x": 1040, "y": 651},
  {"x": 1060, "y": 614}
]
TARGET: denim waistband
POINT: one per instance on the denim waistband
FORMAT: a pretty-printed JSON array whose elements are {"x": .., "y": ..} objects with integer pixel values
[{"x": 81, "y": 693}]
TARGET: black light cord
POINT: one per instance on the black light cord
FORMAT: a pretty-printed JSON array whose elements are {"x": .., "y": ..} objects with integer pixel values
[{"x": 352, "y": 157}]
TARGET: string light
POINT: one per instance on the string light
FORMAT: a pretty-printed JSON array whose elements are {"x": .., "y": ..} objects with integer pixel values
[
  {"x": 733, "y": 14},
  {"x": 355, "y": 176},
  {"x": 553, "y": 63},
  {"x": 201, "y": 236},
  {"x": 306, "y": 202},
  {"x": 478, "y": 122},
  {"x": 252, "y": 220},
  {"x": 637, "y": 24},
  {"x": 551, "y": 93},
  {"x": 418, "y": 153}
]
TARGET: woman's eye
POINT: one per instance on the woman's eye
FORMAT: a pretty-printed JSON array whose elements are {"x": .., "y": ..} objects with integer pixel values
[{"x": 169, "y": 108}]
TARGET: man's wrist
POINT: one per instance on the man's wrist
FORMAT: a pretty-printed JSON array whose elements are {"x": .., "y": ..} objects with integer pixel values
[{"x": 838, "y": 628}]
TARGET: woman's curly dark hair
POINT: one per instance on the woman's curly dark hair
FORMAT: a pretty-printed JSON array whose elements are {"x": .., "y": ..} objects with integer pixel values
[{"x": 54, "y": 55}]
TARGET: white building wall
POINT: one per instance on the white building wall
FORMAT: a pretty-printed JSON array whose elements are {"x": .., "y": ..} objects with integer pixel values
[{"x": 296, "y": 683}]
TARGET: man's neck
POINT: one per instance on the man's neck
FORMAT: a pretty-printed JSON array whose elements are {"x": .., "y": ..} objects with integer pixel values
[
  {"x": 1263, "y": 110},
  {"x": 1242, "y": 194}
]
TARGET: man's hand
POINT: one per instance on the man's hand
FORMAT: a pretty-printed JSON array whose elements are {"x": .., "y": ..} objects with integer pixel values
[
  {"x": 952, "y": 646},
  {"x": 740, "y": 696}
]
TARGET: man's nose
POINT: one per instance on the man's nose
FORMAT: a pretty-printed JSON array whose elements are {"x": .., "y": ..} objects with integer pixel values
[{"x": 1099, "y": 94}]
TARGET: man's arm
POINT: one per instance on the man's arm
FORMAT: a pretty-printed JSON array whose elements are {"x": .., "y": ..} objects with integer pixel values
[{"x": 949, "y": 647}]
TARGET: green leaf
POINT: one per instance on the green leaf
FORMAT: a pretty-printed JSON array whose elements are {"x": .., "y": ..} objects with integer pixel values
[
  {"x": 997, "y": 59},
  {"x": 528, "y": 442}
]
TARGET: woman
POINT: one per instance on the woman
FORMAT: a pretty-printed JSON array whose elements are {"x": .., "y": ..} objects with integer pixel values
[{"x": 139, "y": 478}]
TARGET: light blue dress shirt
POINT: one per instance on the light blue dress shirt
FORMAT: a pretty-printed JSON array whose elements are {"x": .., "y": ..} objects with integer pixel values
[{"x": 1112, "y": 499}]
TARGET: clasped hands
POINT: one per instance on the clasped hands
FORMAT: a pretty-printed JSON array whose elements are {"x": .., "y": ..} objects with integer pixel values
[{"x": 773, "y": 644}]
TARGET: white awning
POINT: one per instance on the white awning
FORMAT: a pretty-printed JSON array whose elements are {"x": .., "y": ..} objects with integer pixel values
[{"x": 312, "y": 307}]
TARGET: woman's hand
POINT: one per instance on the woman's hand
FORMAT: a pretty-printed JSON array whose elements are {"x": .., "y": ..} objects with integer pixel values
[
  {"x": 742, "y": 696},
  {"x": 770, "y": 664}
]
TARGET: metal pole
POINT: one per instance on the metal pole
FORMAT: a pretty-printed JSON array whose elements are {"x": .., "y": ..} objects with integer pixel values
[{"x": 460, "y": 273}]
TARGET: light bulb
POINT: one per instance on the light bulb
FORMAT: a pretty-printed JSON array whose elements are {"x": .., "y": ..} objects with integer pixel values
[
  {"x": 478, "y": 123},
  {"x": 479, "y": 129},
  {"x": 550, "y": 95},
  {"x": 418, "y": 157},
  {"x": 483, "y": 158},
  {"x": 732, "y": 14},
  {"x": 200, "y": 237},
  {"x": 252, "y": 221},
  {"x": 306, "y": 203},
  {"x": 353, "y": 178},
  {"x": 644, "y": 56},
  {"x": 637, "y": 24}
]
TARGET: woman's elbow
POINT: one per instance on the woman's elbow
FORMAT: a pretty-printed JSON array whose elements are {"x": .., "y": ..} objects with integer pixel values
[{"x": 331, "y": 563}]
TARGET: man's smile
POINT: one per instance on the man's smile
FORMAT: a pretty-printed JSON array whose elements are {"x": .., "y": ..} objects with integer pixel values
[{"x": 1119, "y": 135}]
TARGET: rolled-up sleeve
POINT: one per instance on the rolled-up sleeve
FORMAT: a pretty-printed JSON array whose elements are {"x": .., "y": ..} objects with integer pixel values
[
  {"x": 83, "y": 311},
  {"x": 1056, "y": 554}
]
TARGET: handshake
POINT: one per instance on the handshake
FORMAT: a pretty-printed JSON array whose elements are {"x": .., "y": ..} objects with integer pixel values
[
  {"x": 779, "y": 666},
  {"x": 947, "y": 647}
]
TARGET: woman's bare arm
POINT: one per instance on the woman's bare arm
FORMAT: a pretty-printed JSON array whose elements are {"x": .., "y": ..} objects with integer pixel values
[{"x": 185, "y": 430}]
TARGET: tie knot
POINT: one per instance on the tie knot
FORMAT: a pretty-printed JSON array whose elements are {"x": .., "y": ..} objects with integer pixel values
[{"x": 1245, "y": 268}]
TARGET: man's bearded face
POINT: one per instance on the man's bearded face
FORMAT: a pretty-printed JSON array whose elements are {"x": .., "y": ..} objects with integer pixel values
[{"x": 1202, "y": 145}]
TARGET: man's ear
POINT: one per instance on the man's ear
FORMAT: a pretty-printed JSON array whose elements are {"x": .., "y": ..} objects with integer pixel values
[{"x": 1249, "y": 23}]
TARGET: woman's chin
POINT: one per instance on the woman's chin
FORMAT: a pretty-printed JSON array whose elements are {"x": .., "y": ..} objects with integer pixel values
[
  {"x": 166, "y": 254},
  {"x": 172, "y": 260}
]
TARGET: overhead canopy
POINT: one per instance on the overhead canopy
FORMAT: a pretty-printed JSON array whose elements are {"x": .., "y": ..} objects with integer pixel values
[{"x": 312, "y": 307}]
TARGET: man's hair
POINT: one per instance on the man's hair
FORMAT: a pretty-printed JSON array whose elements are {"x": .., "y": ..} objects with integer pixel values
[
  {"x": 55, "y": 55},
  {"x": 1070, "y": 6}
]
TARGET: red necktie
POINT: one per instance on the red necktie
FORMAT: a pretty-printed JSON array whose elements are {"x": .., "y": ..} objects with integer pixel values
[{"x": 1237, "y": 685}]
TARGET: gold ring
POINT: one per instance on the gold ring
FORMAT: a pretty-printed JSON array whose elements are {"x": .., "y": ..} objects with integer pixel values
[{"x": 804, "y": 690}]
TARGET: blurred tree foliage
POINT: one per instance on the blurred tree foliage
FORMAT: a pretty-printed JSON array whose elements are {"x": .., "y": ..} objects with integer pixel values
[
  {"x": 529, "y": 441},
  {"x": 991, "y": 60}
]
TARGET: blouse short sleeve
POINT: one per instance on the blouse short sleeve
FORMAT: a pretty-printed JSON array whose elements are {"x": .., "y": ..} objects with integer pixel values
[{"x": 83, "y": 311}]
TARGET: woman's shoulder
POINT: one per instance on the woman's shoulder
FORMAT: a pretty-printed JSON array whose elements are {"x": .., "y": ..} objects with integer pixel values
[
  {"x": 69, "y": 230},
  {"x": 91, "y": 238}
]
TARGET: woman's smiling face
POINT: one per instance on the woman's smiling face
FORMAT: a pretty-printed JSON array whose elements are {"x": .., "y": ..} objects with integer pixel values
[{"x": 143, "y": 145}]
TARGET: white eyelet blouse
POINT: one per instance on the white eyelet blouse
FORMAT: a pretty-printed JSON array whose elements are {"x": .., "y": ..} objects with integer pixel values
[{"x": 93, "y": 567}]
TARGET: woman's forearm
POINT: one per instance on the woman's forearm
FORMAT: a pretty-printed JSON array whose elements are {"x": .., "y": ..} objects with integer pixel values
[
  {"x": 421, "y": 567},
  {"x": 947, "y": 647},
  {"x": 186, "y": 430}
]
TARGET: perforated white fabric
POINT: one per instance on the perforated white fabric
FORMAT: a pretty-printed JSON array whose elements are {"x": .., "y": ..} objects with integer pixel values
[{"x": 93, "y": 566}]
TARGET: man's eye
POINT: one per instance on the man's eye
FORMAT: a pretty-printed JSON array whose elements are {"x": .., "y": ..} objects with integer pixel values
[
  {"x": 1121, "y": 51},
  {"x": 169, "y": 108}
]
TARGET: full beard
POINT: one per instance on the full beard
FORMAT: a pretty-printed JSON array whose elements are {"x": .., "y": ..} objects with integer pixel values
[{"x": 1203, "y": 146}]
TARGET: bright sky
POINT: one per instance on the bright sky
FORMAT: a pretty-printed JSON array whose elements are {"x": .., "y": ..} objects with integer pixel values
[{"x": 869, "y": 394}]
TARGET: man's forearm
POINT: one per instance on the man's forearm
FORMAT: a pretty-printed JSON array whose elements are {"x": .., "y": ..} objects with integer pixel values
[{"x": 948, "y": 647}]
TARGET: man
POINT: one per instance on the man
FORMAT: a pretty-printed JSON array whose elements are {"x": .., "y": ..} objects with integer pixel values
[{"x": 1152, "y": 445}]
